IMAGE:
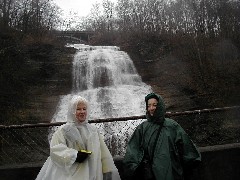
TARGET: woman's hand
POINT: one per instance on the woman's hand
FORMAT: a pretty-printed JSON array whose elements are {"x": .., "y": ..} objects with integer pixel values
[
  {"x": 107, "y": 176},
  {"x": 81, "y": 156}
]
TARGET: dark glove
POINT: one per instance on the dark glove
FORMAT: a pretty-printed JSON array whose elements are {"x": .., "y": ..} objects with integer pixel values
[
  {"x": 107, "y": 176},
  {"x": 81, "y": 156}
]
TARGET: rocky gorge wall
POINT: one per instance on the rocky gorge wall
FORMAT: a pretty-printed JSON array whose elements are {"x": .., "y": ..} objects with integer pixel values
[
  {"x": 168, "y": 77},
  {"x": 44, "y": 95}
]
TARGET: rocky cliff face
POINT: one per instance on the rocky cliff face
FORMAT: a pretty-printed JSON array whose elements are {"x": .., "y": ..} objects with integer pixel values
[
  {"x": 168, "y": 77},
  {"x": 55, "y": 67},
  {"x": 173, "y": 80}
]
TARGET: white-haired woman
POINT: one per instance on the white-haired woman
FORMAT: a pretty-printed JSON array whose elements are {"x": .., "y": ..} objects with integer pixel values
[{"x": 77, "y": 150}]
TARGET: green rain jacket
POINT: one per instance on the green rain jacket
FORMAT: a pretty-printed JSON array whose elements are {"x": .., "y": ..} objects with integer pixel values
[{"x": 174, "y": 149}]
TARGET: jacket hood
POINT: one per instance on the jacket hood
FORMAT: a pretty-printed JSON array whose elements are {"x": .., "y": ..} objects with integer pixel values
[
  {"x": 72, "y": 107},
  {"x": 159, "y": 114}
]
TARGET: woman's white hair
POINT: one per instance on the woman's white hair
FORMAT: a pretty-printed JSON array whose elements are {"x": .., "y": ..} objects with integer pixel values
[{"x": 71, "y": 114}]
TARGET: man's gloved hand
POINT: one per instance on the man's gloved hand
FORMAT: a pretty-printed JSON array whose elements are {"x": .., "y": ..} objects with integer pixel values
[
  {"x": 81, "y": 156},
  {"x": 107, "y": 176}
]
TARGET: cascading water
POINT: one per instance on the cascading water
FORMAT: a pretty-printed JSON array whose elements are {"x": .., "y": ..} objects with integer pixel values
[{"x": 107, "y": 78}]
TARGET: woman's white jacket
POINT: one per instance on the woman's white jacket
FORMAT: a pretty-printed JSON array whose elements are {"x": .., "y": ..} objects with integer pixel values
[{"x": 65, "y": 144}]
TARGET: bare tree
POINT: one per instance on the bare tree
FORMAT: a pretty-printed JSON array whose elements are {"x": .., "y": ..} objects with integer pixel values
[
  {"x": 29, "y": 15},
  {"x": 5, "y": 11}
]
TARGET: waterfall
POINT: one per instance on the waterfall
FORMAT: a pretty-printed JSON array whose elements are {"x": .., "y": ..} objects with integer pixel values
[{"x": 107, "y": 78}]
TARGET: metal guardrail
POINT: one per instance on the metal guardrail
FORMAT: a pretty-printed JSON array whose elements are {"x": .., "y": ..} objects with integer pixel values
[
  {"x": 29, "y": 143},
  {"x": 168, "y": 114}
]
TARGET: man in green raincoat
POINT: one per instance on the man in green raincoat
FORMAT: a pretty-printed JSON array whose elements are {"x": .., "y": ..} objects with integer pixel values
[{"x": 160, "y": 143}]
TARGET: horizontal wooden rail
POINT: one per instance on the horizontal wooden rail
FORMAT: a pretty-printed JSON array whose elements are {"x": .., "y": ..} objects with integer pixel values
[{"x": 168, "y": 114}]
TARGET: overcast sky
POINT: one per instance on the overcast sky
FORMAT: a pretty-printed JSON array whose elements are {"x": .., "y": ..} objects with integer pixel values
[{"x": 82, "y": 7}]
